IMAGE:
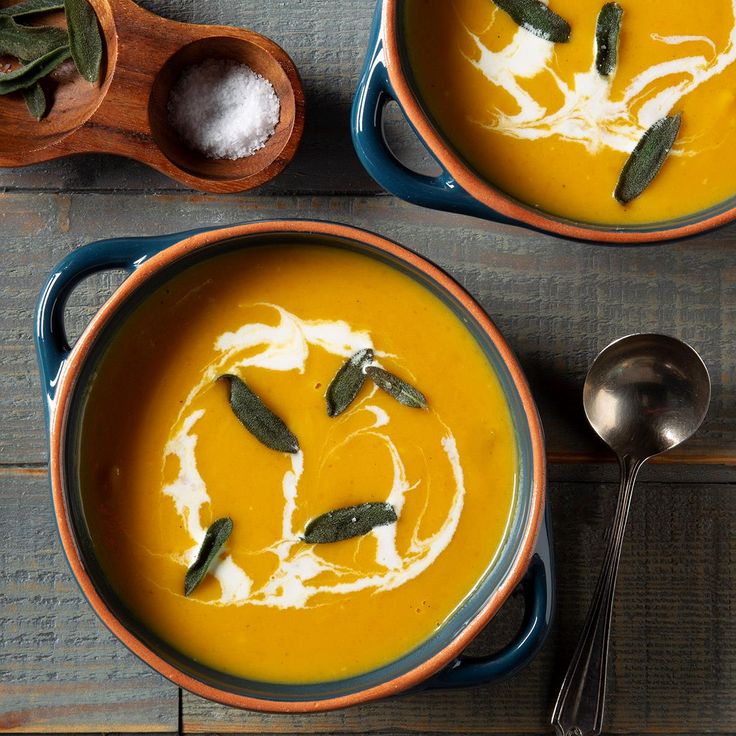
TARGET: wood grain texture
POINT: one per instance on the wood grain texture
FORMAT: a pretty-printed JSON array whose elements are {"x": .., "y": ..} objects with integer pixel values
[
  {"x": 674, "y": 631},
  {"x": 60, "y": 669},
  {"x": 558, "y": 304}
]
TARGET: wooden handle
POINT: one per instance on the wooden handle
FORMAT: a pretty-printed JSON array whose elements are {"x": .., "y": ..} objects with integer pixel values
[{"x": 145, "y": 54}]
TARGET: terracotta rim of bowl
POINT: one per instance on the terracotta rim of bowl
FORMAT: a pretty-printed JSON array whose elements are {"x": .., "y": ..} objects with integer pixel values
[
  {"x": 488, "y": 195},
  {"x": 58, "y": 422}
]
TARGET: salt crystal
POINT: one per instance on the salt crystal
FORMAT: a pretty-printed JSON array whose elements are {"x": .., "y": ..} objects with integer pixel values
[{"x": 223, "y": 109}]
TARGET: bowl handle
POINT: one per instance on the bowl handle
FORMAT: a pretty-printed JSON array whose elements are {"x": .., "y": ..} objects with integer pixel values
[
  {"x": 538, "y": 590},
  {"x": 52, "y": 346},
  {"x": 373, "y": 92}
]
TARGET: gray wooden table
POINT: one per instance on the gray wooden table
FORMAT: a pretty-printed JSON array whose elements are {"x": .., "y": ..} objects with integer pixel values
[{"x": 673, "y": 663}]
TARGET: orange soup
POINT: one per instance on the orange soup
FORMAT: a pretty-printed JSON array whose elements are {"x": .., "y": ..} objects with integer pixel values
[
  {"x": 539, "y": 120},
  {"x": 163, "y": 455}
]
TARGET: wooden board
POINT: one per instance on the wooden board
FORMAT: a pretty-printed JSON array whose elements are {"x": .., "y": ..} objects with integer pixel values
[
  {"x": 557, "y": 304},
  {"x": 674, "y": 631},
  {"x": 60, "y": 669}
]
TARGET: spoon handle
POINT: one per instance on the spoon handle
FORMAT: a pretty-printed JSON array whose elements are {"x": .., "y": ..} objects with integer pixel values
[{"x": 580, "y": 704}]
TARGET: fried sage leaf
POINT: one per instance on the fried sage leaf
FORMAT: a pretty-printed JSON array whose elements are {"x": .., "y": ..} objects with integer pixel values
[
  {"x": 28, "y": 74},
  {"x": 347, "y": 382},
  {"x": 84, "y": 38},
  {"x": 31, "y": 7},
  {"x": 28, "y": 43},
  {"x": 348, "y": 522},
  {"x": 35, "y": 99},
  {"x": 534, "y": 16},
  {"x": 647, "y": 158},
  {"x": 258, "y": 419},
  {"x": 607, "y": 32},
  {"x": 402, "y": 391},
  {"x": 215, "y": 537}
]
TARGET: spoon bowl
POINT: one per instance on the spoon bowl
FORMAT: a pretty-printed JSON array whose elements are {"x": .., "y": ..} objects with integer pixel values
[{"x": 645, "y": 394}]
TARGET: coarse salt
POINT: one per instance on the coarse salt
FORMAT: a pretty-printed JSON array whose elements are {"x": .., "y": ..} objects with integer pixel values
[{"x": 223, "y": 109}]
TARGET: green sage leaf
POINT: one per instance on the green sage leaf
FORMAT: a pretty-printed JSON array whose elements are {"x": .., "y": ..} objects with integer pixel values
[
  {"x": 31, "y": 7},
  {"x": 348, "y": 522},
  {"x": 214, "y": 539},
  {"x": 402, "y": 391},
  {"x": 647, "y": 158},
  {"x": 534, "y": 16},
  {"x": 607, "y": 32},
  {"x": 28, "y": 74},
  {"x": 347, "y": 382},
  {"x": 35, "y": 99},
  {"x": 28, "y": 43},
  {"x": 258, "y": 419},
  {"x": 84, "y": 38}
]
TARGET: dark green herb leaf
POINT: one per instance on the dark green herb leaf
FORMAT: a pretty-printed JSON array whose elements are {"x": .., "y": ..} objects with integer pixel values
[
  {"x": 348, "y": 522},
  {"x": 28, "y": 43},
  {"x": 534, "y": 16},
  {"x": 347, "y": 382},
  {"x": 607, "y": 32},
  {"x": 35, "y": 100},
  {"x": 258, "y": 419},
  {"x": 84, "y": 37},
  {"x": 402, "y": 391},
  {"x": 28, "y": 74},
  {"x": 647, "y": 158},
  {"x": 215, "y": 537},
  {"x": 31, "y": 7}
]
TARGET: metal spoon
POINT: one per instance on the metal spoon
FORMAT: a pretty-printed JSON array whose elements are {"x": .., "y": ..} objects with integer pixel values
[{"x": 644, "y": 395}]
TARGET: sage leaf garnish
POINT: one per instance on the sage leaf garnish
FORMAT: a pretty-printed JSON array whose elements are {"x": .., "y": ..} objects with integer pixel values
[
  {"x": 607, "y": 32},
  {"x": 31, "y": 7},
  {"x": 258, "y": 419},
  {"x": 348, "y": 522},
  {"x": 35, "y": 99},
  {"x": 402, "y": 391},
  {"x": 347, "y": 382},
  {"x": 84, "y": 38},
  {"x": 28, "y": 43},
  {"x": 534, "y": 16},
  {"x": 28, "y": 74},
  {"x": 647, "y": 158},
  {"x": 215, "y": 537}
]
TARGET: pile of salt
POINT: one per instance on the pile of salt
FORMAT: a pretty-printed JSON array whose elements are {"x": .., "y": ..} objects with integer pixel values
[{"x": 223, "y": 109}]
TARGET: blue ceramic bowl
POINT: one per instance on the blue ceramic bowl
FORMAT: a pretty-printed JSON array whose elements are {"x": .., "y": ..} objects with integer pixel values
[{"x": 66, "y": 375}]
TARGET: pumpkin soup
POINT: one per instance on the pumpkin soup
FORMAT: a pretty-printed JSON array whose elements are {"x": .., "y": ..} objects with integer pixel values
[
  {"x": 315, "y": 442},
  {"x": 554, "y": 123}
]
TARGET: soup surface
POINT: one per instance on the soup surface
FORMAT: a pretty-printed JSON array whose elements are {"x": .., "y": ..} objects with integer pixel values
[
  {"x": 539, "y": 121},
  {"x": 163, "y": 456}
]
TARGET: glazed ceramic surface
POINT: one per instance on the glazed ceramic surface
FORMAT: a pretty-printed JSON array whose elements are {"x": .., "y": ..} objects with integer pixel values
[
  {"x": 458, "y": 188},
  {"x": 66, "y": 374}
]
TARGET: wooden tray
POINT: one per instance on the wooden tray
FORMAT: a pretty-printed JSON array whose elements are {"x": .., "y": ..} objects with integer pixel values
[{"x": 125, "y": 113}]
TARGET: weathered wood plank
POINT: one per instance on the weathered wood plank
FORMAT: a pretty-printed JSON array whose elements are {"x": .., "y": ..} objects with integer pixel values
[
  {"x": 327, "y": 43},
  {"x": 60, "y": 669},
  {"x": 673, "y": 654},
  {"x": 558, "y": 303}
]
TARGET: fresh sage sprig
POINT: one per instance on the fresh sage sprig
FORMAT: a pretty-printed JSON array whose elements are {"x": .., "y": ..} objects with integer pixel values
[
  {"x": 84, "y": 37},
  {"x": 28, "y": 74},
  {"x": 35, "y": 99},
  {"x": 31, "y": 7},
  {"x": 402, "y": 391},
  {"x": 257, "y": 418},
  {"x": 214, "y": 539},
  {"x": 28, "y": 43},
  {"x": 607, "y": 32},
  {"x": 534, "y": 16},
  {"x": 347, "y": 382},
  {"x": 348, "y": 522},
  {"x": 647, "y": 158}
]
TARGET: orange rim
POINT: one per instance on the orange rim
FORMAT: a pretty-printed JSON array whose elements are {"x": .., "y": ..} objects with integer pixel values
[
  {"x": 484, "y": 192},
  {"x": 58, "y": 424}
]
